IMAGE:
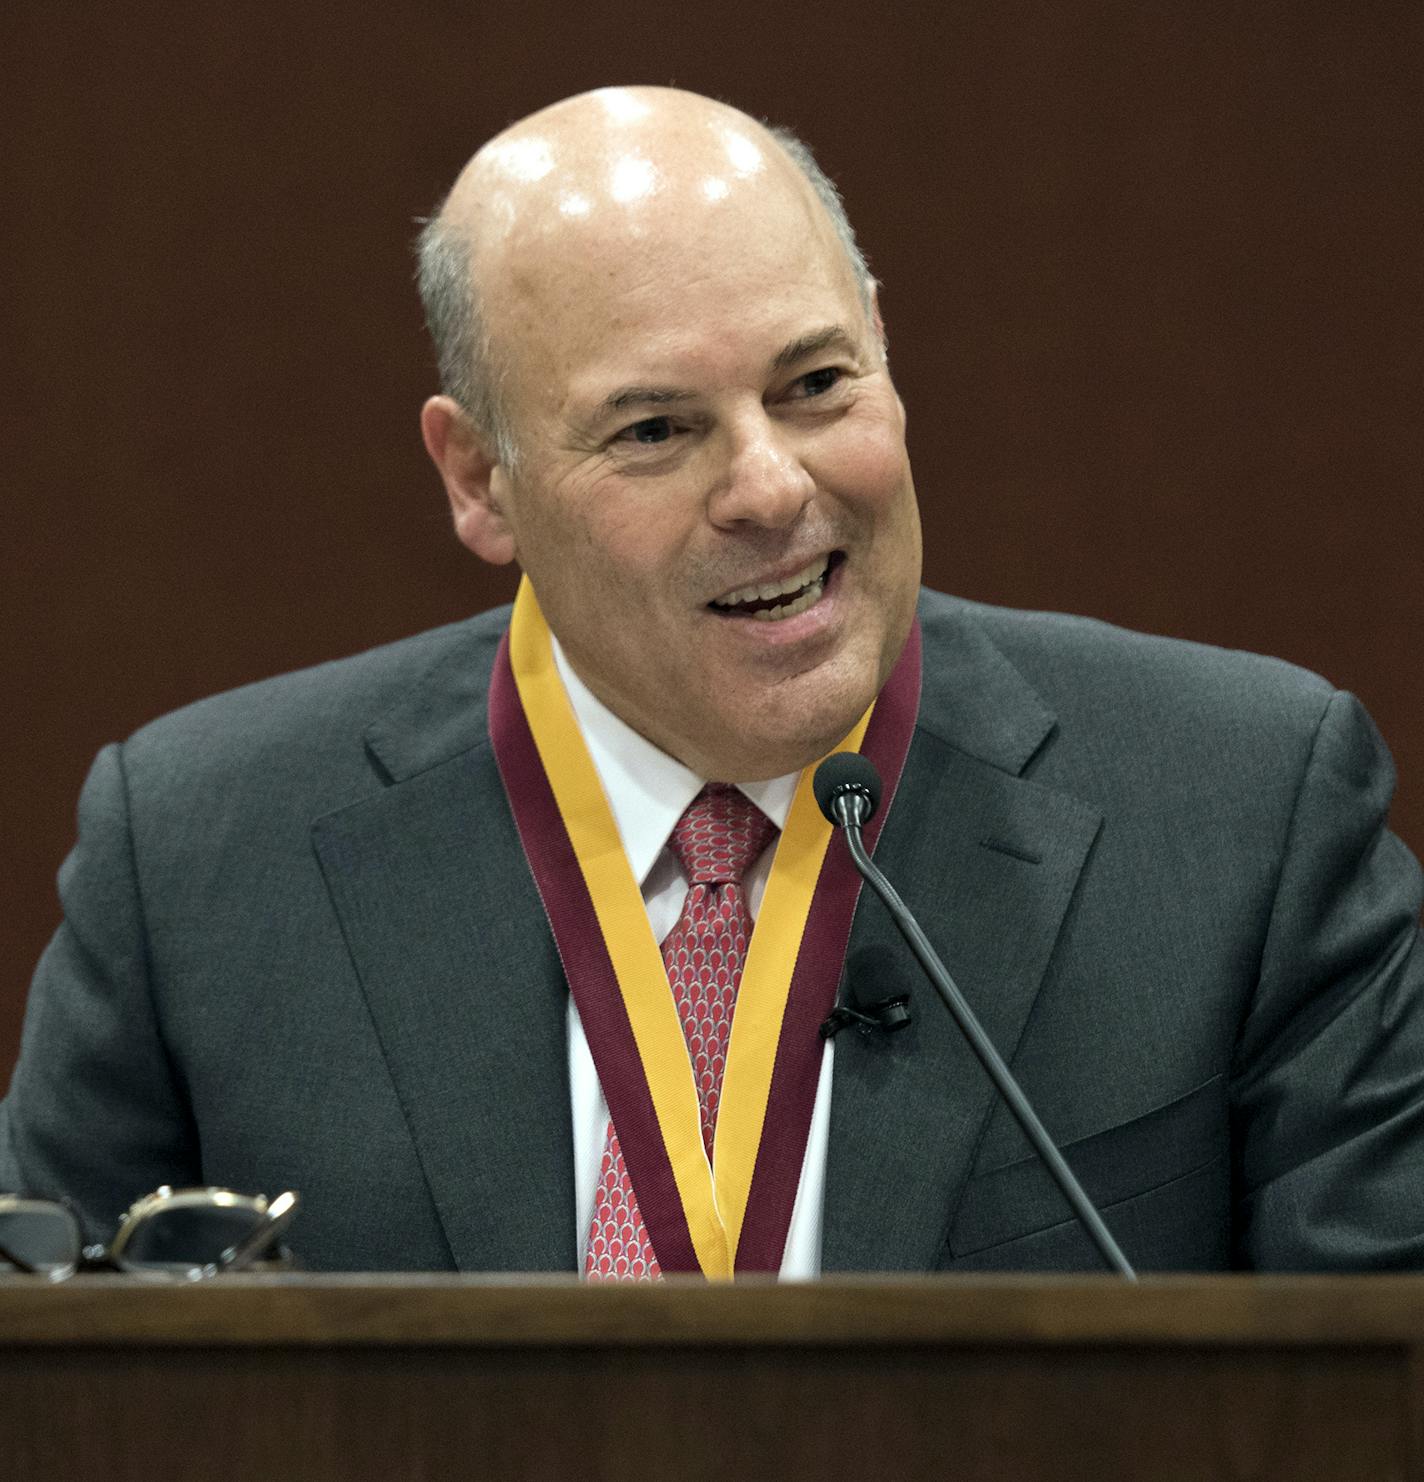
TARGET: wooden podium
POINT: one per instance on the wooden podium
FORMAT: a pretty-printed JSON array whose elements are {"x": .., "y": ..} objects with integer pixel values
[{"x": 420, "y": 1379}]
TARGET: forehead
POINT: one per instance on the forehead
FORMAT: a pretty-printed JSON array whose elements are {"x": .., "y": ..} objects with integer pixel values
[{"x": 698, "y": 277}]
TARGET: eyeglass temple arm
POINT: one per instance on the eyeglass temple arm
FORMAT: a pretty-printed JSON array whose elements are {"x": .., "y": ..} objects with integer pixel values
[{"x": 276, "y": 1219}]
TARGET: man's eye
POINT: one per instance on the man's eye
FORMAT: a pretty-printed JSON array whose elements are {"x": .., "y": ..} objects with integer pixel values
[
  {"x": 818, "y": 382},
  {"x": 650, "y": 430}
]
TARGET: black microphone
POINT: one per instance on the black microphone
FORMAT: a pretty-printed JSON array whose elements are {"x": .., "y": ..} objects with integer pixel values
[{"x": 847, "y": 787}]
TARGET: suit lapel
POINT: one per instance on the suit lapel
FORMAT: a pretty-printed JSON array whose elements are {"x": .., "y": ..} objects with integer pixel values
[
  {"x": 988, "y": 861},
  {"x": 460, "y": 975}
]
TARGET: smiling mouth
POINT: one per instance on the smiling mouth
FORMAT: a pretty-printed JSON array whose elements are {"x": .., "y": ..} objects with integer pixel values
[{"x": 773, "y": 602}]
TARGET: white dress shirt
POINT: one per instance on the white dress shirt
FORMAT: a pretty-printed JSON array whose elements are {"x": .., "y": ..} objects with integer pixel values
[{"x": 647, "y": 791}]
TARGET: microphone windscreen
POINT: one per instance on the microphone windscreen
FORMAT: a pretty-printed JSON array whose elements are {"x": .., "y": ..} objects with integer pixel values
[{"x": 845, "y": 771}]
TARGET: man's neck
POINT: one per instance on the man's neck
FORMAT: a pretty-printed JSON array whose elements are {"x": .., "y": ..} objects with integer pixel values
[{"x": 646, "y": 788}]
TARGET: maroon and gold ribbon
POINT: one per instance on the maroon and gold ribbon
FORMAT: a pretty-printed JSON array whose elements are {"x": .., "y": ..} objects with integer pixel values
[{"x": 737, "y": 1219}]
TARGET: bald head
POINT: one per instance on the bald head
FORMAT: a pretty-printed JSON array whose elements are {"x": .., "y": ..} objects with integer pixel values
[{"x": 599, "y": 178}]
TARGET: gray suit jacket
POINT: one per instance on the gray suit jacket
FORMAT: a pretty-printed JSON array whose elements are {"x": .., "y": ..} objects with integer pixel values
[{"x": 302, "y": 949}]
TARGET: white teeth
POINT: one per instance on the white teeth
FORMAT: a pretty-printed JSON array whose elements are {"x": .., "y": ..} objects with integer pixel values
[
  {"x": 768, "y": 590},
  {"x": 807, "y": 599}
]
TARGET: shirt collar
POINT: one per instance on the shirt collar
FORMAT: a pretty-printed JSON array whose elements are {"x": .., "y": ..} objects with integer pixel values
[{"x": 647, "y": 789}]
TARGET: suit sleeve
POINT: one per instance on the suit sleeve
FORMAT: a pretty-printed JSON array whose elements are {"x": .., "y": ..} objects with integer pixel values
[
  {"x": 94, "y": 1112},
  {"x": 1329, "y": 1084}
]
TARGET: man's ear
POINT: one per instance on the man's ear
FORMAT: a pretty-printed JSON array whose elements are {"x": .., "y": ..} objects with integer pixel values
[
  {"x": 878, "y": 320},
  {"x": 879, "y": 323},
  {"x": 476, "y": 483}
]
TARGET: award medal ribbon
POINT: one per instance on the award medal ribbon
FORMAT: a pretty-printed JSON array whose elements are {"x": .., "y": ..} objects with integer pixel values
[{"x": 735, "y": 1215}]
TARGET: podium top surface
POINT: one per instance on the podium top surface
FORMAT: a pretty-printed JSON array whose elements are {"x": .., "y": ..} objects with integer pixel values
[{"x": 520, "y": 1311}]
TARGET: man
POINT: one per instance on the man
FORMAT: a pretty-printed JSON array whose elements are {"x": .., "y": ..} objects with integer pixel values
[{"x": 367, "y": 931}]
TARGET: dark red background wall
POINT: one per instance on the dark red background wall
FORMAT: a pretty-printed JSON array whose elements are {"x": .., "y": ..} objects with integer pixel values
[{"x": 1152, "y": 276}]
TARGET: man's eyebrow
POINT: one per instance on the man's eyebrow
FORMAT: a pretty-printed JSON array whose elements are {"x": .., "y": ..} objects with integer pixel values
[
  {"x": 641, "y": 396},
  {"x": 832, "y": 337}
]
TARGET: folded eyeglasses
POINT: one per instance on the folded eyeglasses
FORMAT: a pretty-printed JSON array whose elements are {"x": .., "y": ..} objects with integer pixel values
[{"x": 184, "y": 1233}]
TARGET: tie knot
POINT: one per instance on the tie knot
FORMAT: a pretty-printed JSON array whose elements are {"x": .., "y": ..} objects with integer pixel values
[{"x": 719, "y": 835}]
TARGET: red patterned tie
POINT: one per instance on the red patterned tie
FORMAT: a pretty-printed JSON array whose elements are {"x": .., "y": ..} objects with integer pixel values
[{"x": 719, "y": 836}]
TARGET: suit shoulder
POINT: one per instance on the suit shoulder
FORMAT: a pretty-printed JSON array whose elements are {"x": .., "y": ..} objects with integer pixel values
[
  {"x": 1077, "y": 662},
  {"x": 317, "y": 712}
]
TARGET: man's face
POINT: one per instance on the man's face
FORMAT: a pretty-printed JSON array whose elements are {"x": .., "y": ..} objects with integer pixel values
[{"x": 712, "y": 499}]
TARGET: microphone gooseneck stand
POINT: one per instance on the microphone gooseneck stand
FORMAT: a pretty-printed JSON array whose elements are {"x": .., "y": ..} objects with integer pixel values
[{"x": 848, "y": 800}]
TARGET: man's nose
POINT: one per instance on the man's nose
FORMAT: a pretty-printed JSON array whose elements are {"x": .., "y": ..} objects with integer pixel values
[{"x": 764, "y": 481}]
